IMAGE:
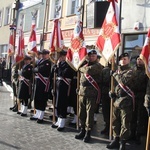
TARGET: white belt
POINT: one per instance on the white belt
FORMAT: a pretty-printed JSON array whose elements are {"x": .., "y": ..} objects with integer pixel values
[
  {"x": 60, "y": 78},
  {"x": 37, "y": 77}
]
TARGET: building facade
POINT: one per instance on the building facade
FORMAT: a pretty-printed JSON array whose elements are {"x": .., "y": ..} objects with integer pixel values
[
  {"x": 27, "y": 9},
  {"x": 6, "y": 19},
  {"x": 134, "y": 22}
]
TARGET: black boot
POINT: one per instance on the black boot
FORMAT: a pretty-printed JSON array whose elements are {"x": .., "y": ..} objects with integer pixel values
[
  {"x": 15, "y": 108},
  {"x": 81, "y": 134},
  {"x": 11, "y": 108},
  {"x": 122, "y": 145},
  {"x": 105, "y": 130},
  {"x": 87, "y": 137},
  {"x": 114, "y": 144}
]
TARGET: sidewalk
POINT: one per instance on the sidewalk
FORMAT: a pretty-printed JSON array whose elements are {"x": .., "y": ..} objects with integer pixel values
[{"x": 18, "y": 132}]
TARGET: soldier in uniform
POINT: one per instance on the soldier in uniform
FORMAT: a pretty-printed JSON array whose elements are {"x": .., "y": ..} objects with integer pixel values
[
  {"x": 123, "y": 103},
  {"x": 64, "y": 74},
  {"x": 73, "y": 97},
  {"x": 147, "y": 98},
  {"x": 89, "y": 95},
  {"x": 140, "y": 118},
  {"x": 105, "y": 99},
  {"x": 24, "y": 90},
  {"x": 42, "y": 73},
  {"x": 14, "y": 81}
]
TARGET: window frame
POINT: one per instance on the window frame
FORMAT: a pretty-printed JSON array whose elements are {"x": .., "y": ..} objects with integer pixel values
[
  {"x": 8, "y": 12},
  {"x": 52, "y": 10}
]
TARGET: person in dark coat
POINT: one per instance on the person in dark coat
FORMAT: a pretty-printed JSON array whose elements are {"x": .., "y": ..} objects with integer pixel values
[
  {"x": 24, "y": 90},
  {"x": 140, "y": 118},
  {"x": 64, "y": 74},
  {"x": 42, "y": 73}
]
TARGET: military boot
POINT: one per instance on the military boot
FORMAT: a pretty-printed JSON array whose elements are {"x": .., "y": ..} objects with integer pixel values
[
  {"x": 122, "y": 145},
  {"x": 81, "y": 134},
  {"x": 15, "y": 109},
  {"x": 87, "y": 137},
  {"x": 114, "y": 144}
]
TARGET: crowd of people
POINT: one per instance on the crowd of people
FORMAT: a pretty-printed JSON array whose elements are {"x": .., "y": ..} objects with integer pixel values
[{"x": 40, "y": 80}]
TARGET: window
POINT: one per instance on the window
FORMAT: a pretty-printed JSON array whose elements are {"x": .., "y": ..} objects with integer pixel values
[
  {"x": 22, "y": 20},
  {"x": 37, "y": 18},
  {"x": 1, "y": 17},
  {"x": 133, "y": 45},
  {"x": 72, "y": 7},
  {"x": 55, "y": 9},
  {"x": 7, "y": 16}
]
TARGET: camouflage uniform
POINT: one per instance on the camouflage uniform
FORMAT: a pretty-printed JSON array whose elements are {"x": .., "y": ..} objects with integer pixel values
[
  {"x": 140, "y": 118},
  {"x": 88, "y": 94},
  {"x": 123, "y": 104}
]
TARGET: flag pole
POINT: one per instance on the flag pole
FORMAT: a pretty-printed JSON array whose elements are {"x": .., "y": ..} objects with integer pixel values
[
  {"x": 78, "y": 84},
  {"x": 148, "y": 136},
  {"x": 44, "y": 24},
  {"x": 111, "y": 101}
]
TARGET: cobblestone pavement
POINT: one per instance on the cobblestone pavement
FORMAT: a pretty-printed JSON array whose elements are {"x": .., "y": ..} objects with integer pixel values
[{"x": 19, "y": 133}]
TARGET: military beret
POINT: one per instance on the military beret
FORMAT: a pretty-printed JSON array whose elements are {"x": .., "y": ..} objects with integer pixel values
[
  {"x": 63, "y": 53},
  {"x": 93, "y": 51},
  {"x": 123, "y": 55},
  {"x": 44, "y": 51},
  {"x": 39, "y": 52},
  {"x": 27, "y": 57}
]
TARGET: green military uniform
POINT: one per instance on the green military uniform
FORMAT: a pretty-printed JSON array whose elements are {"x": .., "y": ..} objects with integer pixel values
[
  {"x": 140, "y": 118},
  {"x": 123, "y": 104},
  {"x": 88, "y": 94}
]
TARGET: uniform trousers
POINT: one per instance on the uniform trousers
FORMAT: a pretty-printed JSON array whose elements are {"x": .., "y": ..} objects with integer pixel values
[
  {"x": 121, "y": 122},
  {"x": 87, "y": 107}
]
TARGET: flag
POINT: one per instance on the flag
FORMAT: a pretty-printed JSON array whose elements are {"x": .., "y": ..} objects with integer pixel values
[
  {"x": 56, "y": 40},
  {"x": 108, "y": 40},
  {"x": 77, "y": 52},
  {"x": 145, "y": 54},
  {"x": 20, "y": 50},
  {"x": 11, "y": 44},
  {"x": 32, "y": 39}
]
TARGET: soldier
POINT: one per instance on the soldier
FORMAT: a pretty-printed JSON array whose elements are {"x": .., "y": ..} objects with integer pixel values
[
  {"x": 123, "y": 103},
  {"x": 42, "y": 73},
  {"x": 73, "y": 98},
  {"x": 14, "y": 81},
  {"x": 147, "y": 98},
  {"x": 89, "y": 95},
  {"x": 140, "y": 118},
  {"x": 64, "y": 75},
  {"x": 105, "y": 97},
  {"x": 24, "y": 90}
]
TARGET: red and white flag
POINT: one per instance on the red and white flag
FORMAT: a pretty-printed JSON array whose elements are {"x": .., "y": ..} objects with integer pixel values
[
  {"x": 20, "y": 49},
  {"x": 109, "y": 38},
  {"x": 11, "y": 44},
  {"x": 32, "y": 39},
  {"x": 56, "y": 38},
  {"x": 77, "y": 52},
  {"x": 145, "y": 54}
]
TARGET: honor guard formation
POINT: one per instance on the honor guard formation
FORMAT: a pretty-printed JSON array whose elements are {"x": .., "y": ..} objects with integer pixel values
[{"x": 37, "y": 82}]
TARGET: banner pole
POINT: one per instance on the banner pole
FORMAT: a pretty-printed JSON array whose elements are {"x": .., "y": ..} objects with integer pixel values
[
  {"x": 148, "y": 136},
  {"x": 111, "y": 102},
  {"x": 78, "y": 83}
]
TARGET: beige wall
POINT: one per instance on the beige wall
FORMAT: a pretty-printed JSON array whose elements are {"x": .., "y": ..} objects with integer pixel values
[{"x": 4, "y": 30}]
